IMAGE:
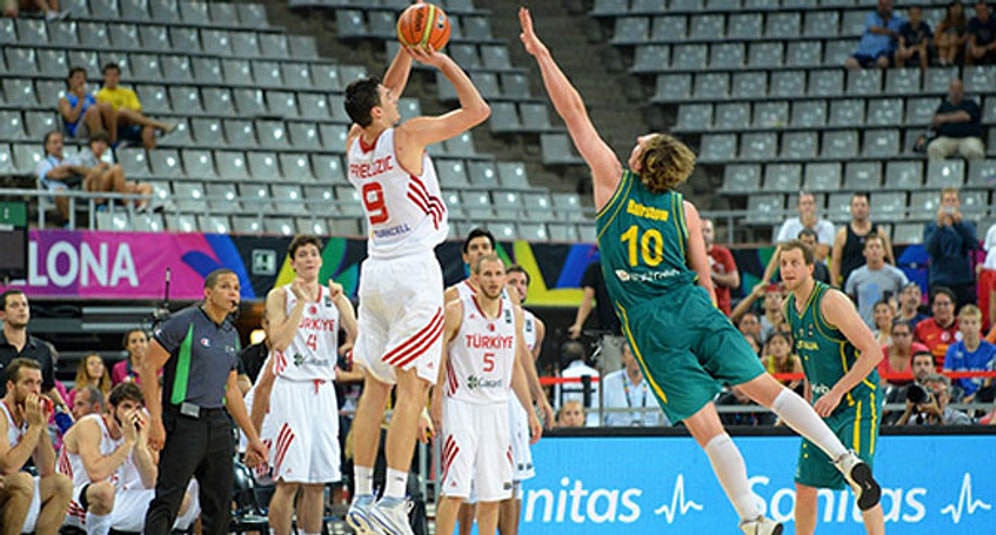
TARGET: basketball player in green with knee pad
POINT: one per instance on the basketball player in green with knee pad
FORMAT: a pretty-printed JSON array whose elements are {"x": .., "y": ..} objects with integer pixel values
[
  {"x": 658, "y": 276},
  {"x": 839, "y": 356}
]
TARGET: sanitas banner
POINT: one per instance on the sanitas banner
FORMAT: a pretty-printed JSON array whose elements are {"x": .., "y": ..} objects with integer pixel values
[{"x": 627, "y": 485}]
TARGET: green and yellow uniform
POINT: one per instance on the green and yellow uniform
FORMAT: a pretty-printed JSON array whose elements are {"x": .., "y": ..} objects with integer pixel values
[
  {"x": 827, "y": 356},
  {"x": 686, "y": 347}
]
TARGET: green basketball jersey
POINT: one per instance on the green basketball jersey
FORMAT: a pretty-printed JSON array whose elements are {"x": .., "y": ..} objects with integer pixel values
[
  {"x": 642, "y": 238},
  {"x": 827, "y": 354}
]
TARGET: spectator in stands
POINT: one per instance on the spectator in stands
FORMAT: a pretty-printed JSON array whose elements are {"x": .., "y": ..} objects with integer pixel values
[
  {"x": 736, "y": 397},
  {"x": 725, "y": 276},
  {"x": 933, "y": 410},
  {"x": 849, "y": 243},
  {"x": 102, "y": 176},
  {"x": 808, "y": 218},
  {"x": 874, "y": 281},
  {"x": 91, "y": 372},
  {"x": 987, "y": 279},
  {"x": 88, "y": 400},
  {"x": 254, "y": 356},
  {"x": 133, "y": 125},
  {"x": 957, "y": 126},
  {"x": 971, "y": 353},
  {"x": 950, "y": 241},
  {"x": 878, "y": 43},
  {"x": 82, "y": 115},
  {"x": 940, "y": 330},
  {"x": 15, "y": 341},
  {"x": 771, "y": 315},
  {"x": 820, "y": 270},
  {"x": 572, "y": 414},
  {"x": 752, "y": 340},
  {"x": 136, "y": 343},
  {"x": 911, "y": 304},
  {"x": 13, "y": 8},
  {"x": 574, "y": 354},
  {"x": 884, "y": 315},
  {"x": 914, "y": 40},
  {"x": 952, "y": 34},
  {"x": 58, "y": 173},
  {"x": 981, "y": 37},
  {"x": 749, "y": 323},
  {"x": 596, "y": 296},
  {"x": 626, "y": 389},
  {"x": 779, "y": 358},
  {"x": 896, "y": 367}
]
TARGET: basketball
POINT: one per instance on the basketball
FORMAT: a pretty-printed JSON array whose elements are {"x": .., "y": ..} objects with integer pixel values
[{"x": 424, "y": 24}]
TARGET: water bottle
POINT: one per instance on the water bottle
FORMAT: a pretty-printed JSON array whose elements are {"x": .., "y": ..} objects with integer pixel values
[{"x": 63, "y": 420}]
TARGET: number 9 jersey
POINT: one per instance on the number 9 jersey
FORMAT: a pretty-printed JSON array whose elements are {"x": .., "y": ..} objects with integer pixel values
[
  {"x": 642, "y": 241},
  {"x": 405, "y": 213}
]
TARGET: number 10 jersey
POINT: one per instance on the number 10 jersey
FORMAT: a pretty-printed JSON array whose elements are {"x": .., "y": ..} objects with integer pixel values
[{"x": 405, "y": 213}]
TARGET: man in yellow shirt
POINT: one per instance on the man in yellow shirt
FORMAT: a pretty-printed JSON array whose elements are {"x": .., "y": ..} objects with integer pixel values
[{"x": 132, "y": 123}]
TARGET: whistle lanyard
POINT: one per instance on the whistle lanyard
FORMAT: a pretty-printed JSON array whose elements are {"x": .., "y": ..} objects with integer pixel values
[{"x": 629, "y": 402}]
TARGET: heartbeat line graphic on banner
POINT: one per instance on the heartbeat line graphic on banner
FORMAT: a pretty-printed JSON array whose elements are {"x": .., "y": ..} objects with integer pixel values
[
  {"x": 966, "y": 502},
  {"x": 678, "y": 504}
]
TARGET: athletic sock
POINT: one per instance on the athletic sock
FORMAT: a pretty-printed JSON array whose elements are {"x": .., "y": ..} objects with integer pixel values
[
  {"x": 363, "y": 480},
  {"x": 98, "y": 524},
  {"x": 731, "y": 471},
  {"x": 801, "y": 417},
  {"x": 397, "y": 483}
]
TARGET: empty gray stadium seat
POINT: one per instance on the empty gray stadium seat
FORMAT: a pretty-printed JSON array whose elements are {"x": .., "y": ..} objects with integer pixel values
[
  {"x": 669, "y": 28},
  {"x": 631, "y": 30},
  {"x": 903, "y": 81},
  {"x": 718, "y": 147},
  {"x": 847, "y": 112},
  {"x": 708, "y": 26},
  {"x": 821, "y": 23},
  {"x": 214, "y": 224},
  {"x": 765, "y": 208},
  {"x": 727, "y": 56},
  {"x": 759, "y": 145},
  {"x": 799, "y": 145},
  {"x": 12, "y": 126},
  {"x": 279, "y": 225},
  {"x": 822, "y": 176},
  {"x": 945, "y": 173},
  {"x": 208, "y": 131},
  {"x": 267, "y": 74},
  {"x": 207, "y": 70},
  {"x": 692, "y": 57},
  {"x": 772, "y": 114},
  {"x": 695, "y": 116},
  {"x": 189, "y": 197},
  {"x": 782, "y": 177},
  {"x": 712, "y": 85},
  {"x": 888, "y": 205},
  {"x": 840, "y": 145},
  {"x": 315, "y": 226},
  {"x": 741, "y": 178},
  {"x": 217, "y": 101},
  {"x": 839, "y": 207},
  {"x": 749, "y": 84},
  {"x": 231, "y": 165},
  {"x": 504, "y": 117},
  {"x": 924, "y": 204},
  {"x": 745, "y": 26},
  {"x": 907, "y": 175},
  {"x": 982, "y": 173},
  {"x": 452, "y": 173},
  {"x": 804, "y": 54},
  {"x": 563, "y": 232},
  {"x": 673, "y": 87},
  {"x": 186, "y": 98},
  {"x": 133, "y": 161},
  {"x": 766, "y": 54},
  {"x": 809, "y": 113},
  {"x": 864, "y": 82},
  {"x": 787, "y": 84},
  {"x": 199, "y": 164},
  {"x": 165, "y": 163},
  {"x": 881, "y": 143},
  {"x": 513, "y": 175},
  {"x": 783, "y": 25},
  {"x": 263, "y": 166},
  {"x": 885, "y": 111},
  {"x": 483, "y": 174},
  {"x": 862, "y": 175},
  {"x": 651, "y": 58},
  {"x": 732, "y": 116},
  {"x": 937, "y": 79},
  {"x": 557, "y": 149},
  {"x": 908, "y": 233}
]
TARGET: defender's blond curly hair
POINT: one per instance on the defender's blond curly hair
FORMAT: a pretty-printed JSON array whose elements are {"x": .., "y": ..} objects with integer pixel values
[{"x": 667, "y": 162}]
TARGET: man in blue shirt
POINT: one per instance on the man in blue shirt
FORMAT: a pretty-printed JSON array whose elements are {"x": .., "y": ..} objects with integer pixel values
[
  {"x": 949, "y": 240},
  {"x": 981, "y": 37},
  {"x": 971, "y": 353},
  {"x": 878, "y": 43}
]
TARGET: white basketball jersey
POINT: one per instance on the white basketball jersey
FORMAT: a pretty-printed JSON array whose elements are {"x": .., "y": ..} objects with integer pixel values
[
  {"x": 482, "y": 355},
  {"x": 529, "y": 329},
  {"x": 14, "y": 433},
  {"x": 405, "y": 213},
  {"x": 312, "y": 353},
  {"x": 465, "y": 290},
  {"x": 71, "y": 464}
]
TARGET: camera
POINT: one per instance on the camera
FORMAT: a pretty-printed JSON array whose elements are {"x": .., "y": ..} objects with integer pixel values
[
  {"x": 917, "y": 394},
  {"x": 948, "y": 209}
]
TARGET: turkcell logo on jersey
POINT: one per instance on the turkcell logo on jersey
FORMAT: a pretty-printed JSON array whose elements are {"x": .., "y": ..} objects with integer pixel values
[
  {"x": 931, "y": 484},
  {"x": 648, "y": 276},
  {"x": 474, "y": 382}
]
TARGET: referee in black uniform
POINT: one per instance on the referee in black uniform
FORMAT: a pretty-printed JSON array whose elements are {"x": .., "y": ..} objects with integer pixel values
[{"x": 198, "y": 349}]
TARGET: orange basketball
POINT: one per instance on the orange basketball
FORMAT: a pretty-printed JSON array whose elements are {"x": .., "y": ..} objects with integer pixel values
[{"x": 424, "y": 24}]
